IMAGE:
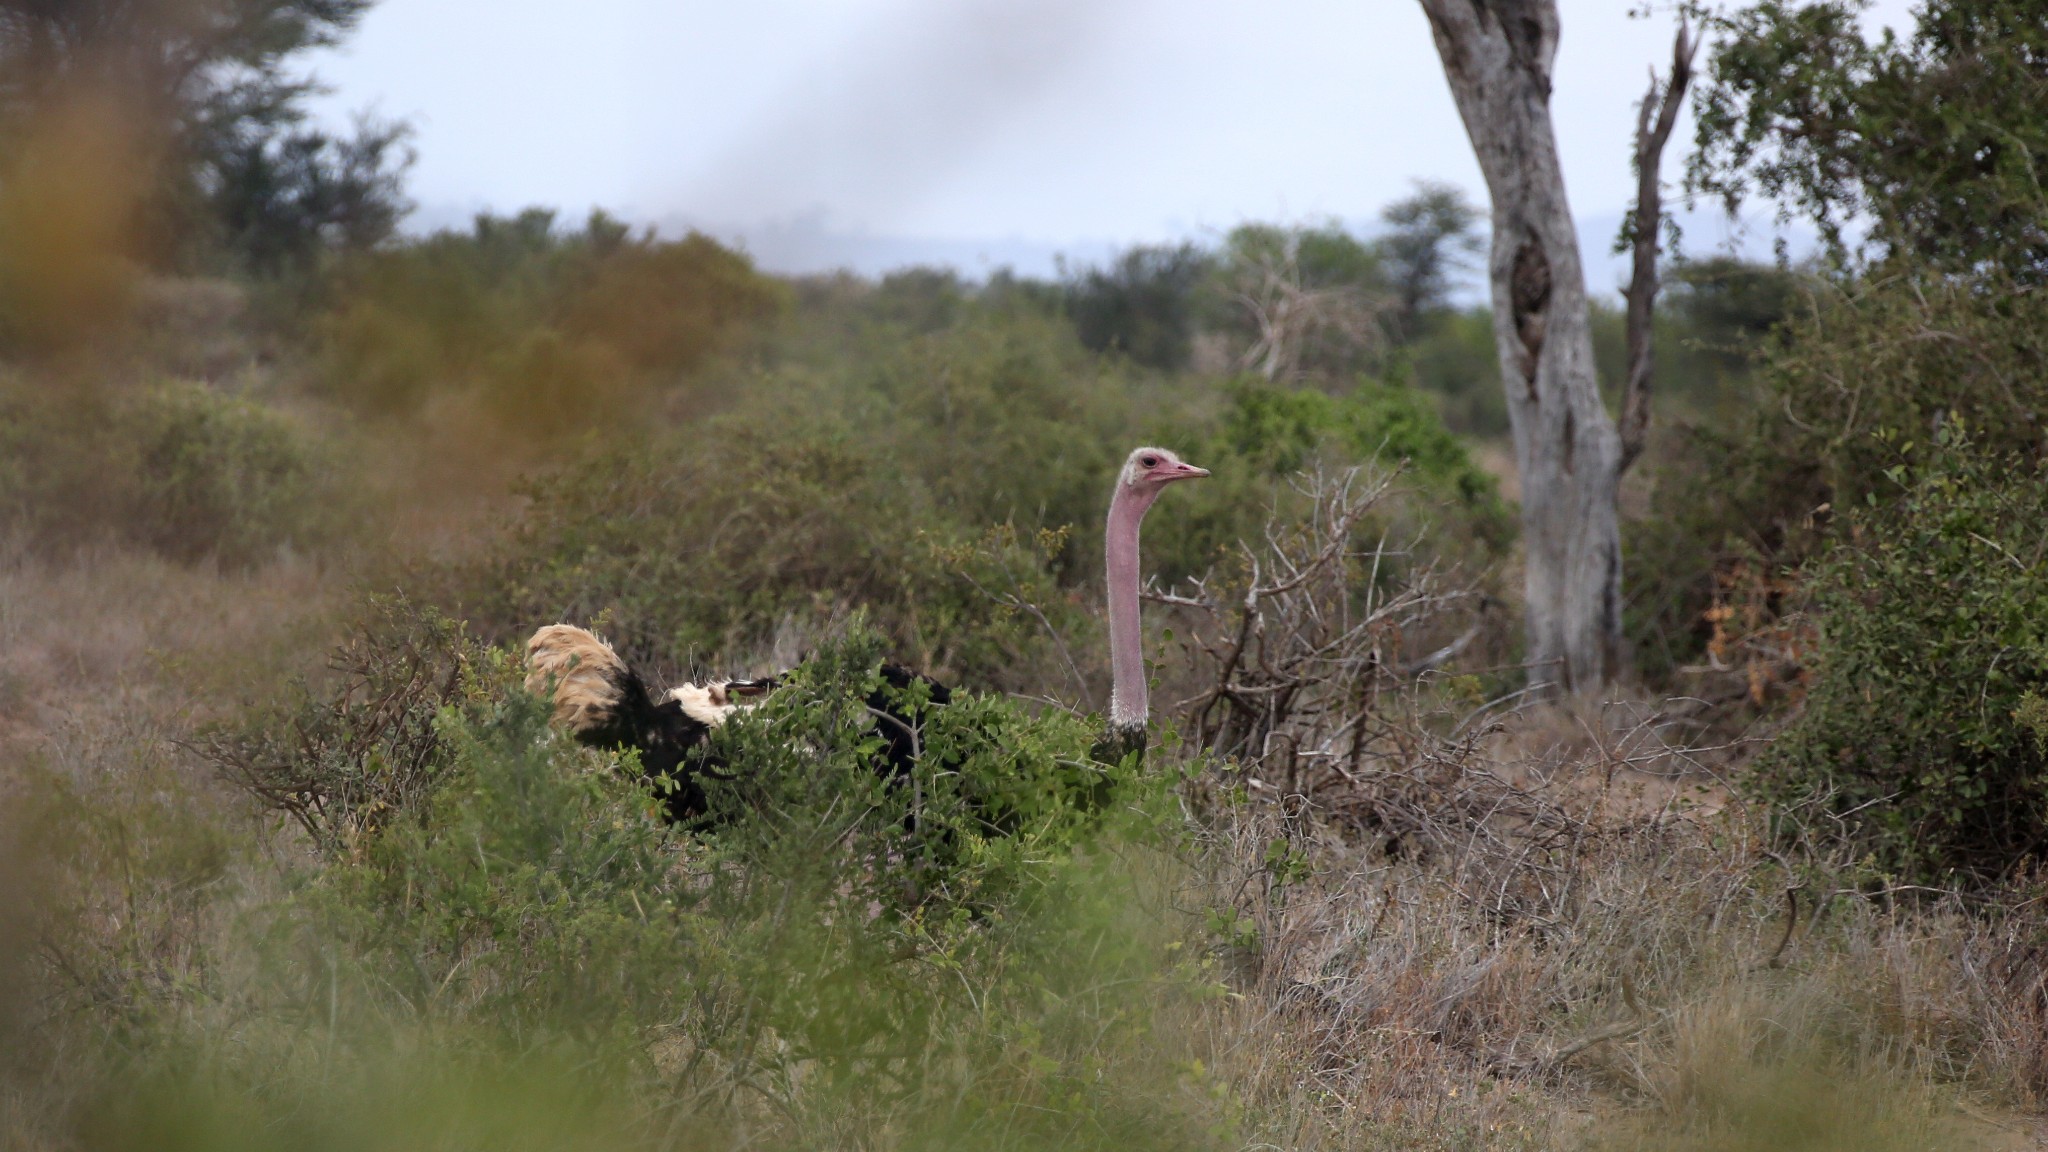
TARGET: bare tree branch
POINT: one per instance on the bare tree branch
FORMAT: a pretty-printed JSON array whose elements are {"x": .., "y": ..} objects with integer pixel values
[
  {"x": 1293, "y": 658},
  {"x": 1289, "y": 314},
  {"x": 1653, "y": 129}
]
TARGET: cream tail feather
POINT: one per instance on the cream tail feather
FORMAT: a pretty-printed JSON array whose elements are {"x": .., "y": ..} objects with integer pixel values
[
  {"x": 579, "y": 668},
  {"x": 584, "y": 673}
]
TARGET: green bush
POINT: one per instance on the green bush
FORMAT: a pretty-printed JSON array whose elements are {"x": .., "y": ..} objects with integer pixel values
[
  {"x": 528, "y": 882},
  {"x": 962, "y": 958},
  {"x": 707, "y": 547},
  {"x": 223, "y": 477},
  {"x": 948, "y": 484},
  {"x": 1276, "y": 432},
  {"x": 65, "y": 473},
  {"x": 993, "y": 789},
  {"x": 1901, "y": 350},
  {"x": 1932, "y": 611},
  {"x": 184, "y": 469},
  {"x": 1282, "y": 429},
  {"x": 546, "y": 330},
  {"x": 953, "y": 484},
  {"x": 1454, "y": 360}
]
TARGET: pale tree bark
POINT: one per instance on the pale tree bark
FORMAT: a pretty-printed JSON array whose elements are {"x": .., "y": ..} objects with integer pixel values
[{"x": 1497, "y": 55}]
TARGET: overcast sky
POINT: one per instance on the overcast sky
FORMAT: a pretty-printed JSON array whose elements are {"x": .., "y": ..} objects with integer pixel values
[{"x": 979, "y": 132}]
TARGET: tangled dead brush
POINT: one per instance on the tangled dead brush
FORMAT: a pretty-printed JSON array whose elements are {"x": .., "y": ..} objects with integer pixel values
[
  {"x": 1305, "y": 680},
  {"x": 1295, "y": 646},
  {"x": 1498, "y": 924},
  {"x": 341, "y": 763},
  {"x": 1607, "y": 963}
]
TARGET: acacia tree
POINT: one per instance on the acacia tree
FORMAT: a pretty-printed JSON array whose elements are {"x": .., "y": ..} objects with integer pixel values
[
  {"x": 1497, "y": 56},
  {"x": 1934, "y": 140},
  {"x": 1430, "y": 236}
]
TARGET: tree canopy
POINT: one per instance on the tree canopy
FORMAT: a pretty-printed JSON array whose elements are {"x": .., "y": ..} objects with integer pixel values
[
  {"x": 1936, "y": 139},
  {"x": 204, "y": 97}
]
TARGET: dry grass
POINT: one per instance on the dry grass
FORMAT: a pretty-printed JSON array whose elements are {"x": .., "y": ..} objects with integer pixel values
[
  {"x": 125, "y": 864},
  {"x": 1601, "y": 956},
  {"x": 114, "y": 633}
]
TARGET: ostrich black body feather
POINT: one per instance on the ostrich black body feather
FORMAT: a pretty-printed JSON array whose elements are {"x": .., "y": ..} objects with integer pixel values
[
  {"x": 674, "y": 747},
  {"x": 605, "y": 703}
]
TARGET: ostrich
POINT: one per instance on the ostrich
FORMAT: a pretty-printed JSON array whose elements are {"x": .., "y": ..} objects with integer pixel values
[
  {"x": 603, "y": 702},
  {"x": 1145, "y": 475}
]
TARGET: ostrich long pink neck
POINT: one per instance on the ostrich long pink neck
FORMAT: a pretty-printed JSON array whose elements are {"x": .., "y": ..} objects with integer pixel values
[{"x": 1128, "y": 705}]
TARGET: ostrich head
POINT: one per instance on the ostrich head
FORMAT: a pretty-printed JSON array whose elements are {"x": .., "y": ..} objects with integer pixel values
[{"x": 1148, "y": 471}]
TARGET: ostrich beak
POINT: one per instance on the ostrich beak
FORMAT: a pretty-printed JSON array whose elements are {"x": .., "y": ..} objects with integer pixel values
[{"x": 1187, "y": 472}]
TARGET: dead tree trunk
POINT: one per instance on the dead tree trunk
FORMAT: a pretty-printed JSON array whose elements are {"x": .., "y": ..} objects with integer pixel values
[
  {"x": 1654, "y": 121},
  {"x": 1497, "y": 55}
]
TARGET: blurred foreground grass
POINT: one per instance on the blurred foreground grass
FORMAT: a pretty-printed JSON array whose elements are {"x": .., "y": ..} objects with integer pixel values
[{"x": 534, "y": 960}]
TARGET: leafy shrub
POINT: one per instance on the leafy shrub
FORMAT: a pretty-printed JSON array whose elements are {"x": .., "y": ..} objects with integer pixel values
[
  {"x": 933, "y": 484},
  {"x": 953, "y": 484},
  {"x": 1279, "y": 432},
  {"x": 182, "y": 468},
  {"x": 918, "y": 300},
  {"x": 524, "y": 879},
  {"x": 62, "y": 477},
  {"x": 1933, "y": 621},
  {"x": 993, "y": 786},
  {"x": 1283, "y": 428},
  {"x": 1143, "y": 305},
  {"x": 1454, "y": 361},
  {"x": 1901, "y": 352},
  {"x": 844, "y": 956},
  {"x": 224, "y": 477},
  {"x": 708, "y": 548}
]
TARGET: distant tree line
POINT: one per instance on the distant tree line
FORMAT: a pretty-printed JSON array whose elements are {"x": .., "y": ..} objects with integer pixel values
[{"x": 1291, "y": 301}]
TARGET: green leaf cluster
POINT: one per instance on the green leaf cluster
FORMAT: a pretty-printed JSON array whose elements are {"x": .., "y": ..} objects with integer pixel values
[
  {"x": 1935, "y": 139},
  {"x": 1282, "y": 430},
  {"x": 1932, "y": 612}
]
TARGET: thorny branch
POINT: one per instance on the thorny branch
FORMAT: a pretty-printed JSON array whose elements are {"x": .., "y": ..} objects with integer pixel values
[
  {"x": 1307, "y": 686},
  {"x": 1299, "y": 643}
]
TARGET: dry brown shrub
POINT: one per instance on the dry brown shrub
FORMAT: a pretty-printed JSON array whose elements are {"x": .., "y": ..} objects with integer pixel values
[{"x": 1508, "y": 924}]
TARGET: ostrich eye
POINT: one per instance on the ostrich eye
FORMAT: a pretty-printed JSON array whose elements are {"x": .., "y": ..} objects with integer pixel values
[{"x": 1149, "y": 461}]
